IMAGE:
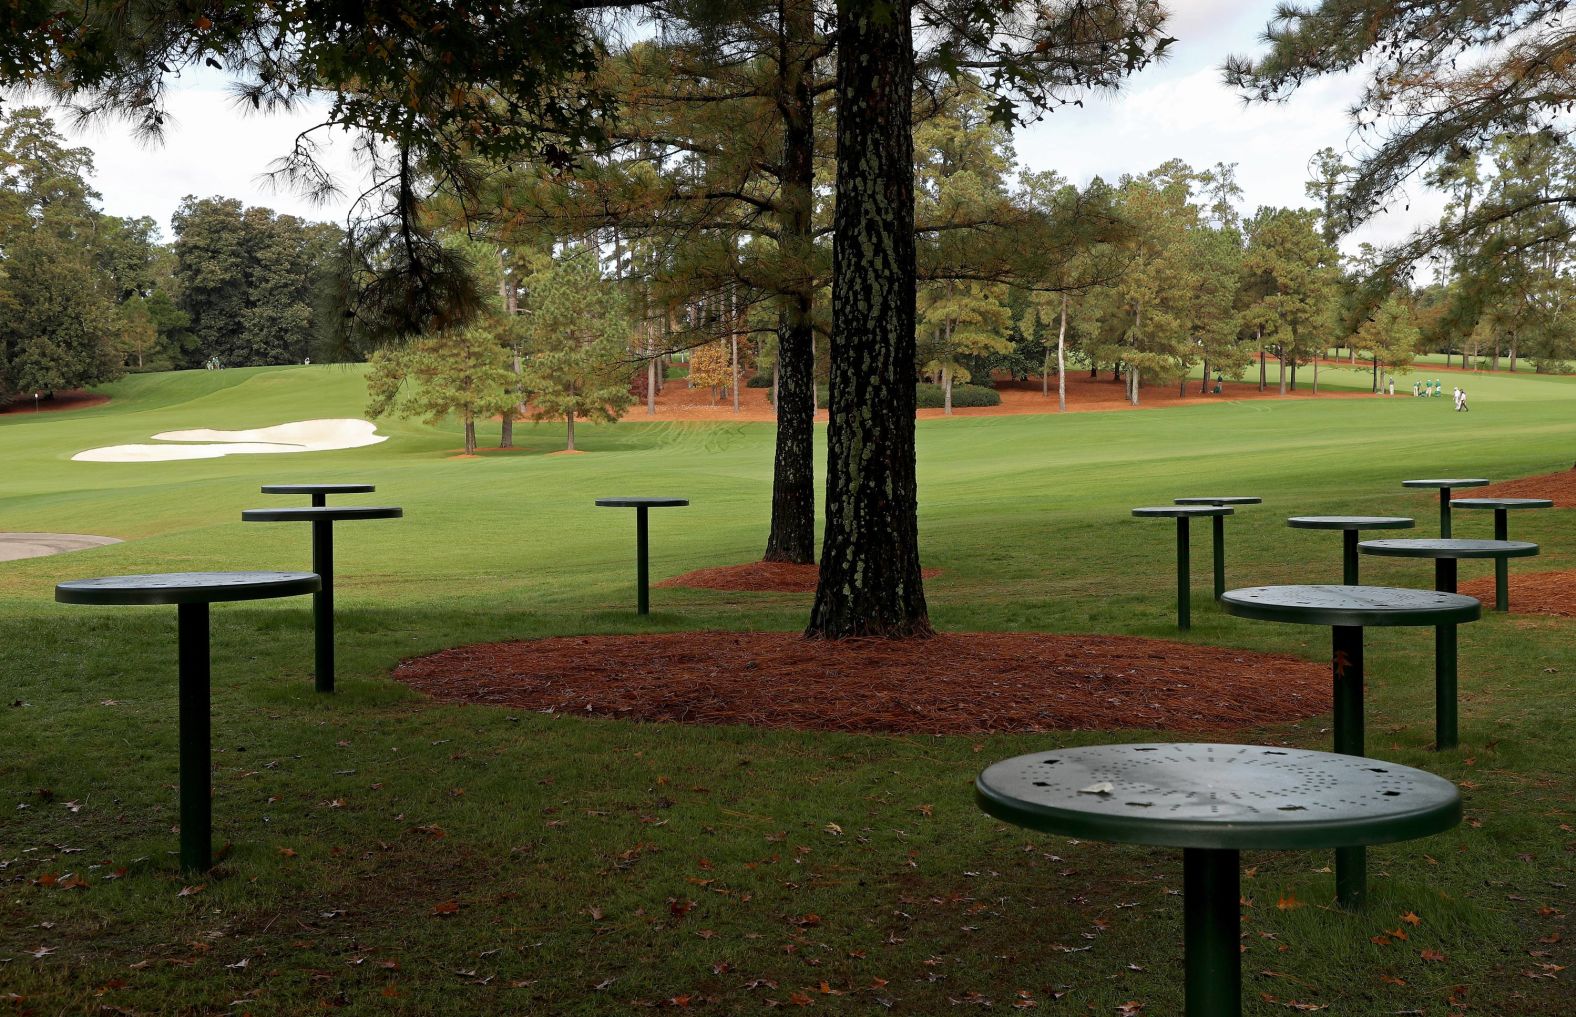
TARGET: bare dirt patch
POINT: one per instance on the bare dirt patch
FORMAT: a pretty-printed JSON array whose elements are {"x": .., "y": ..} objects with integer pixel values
[
  {"x": 75, "y": 399},
  {"x": 956, "y": 683},
  {"x": 758, "y": 577},
  {"x": 1531, "y": 593},
  {"x": 1560, "y": 487}
]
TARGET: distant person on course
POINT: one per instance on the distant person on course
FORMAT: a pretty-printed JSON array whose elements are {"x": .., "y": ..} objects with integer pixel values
[
  {"x": 1461, "y": 402},
  {"x": 1392, "y": 386}
]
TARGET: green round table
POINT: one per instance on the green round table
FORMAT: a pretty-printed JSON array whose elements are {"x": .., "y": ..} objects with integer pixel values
[
  {"x": 1214, "y": 801},
  {"x": 1183, "y": 513},
  {"x": 322, "y": 518},
  {"x": 191, "y": 592},
  {"x": 1219, "y": 528},
  {"x": 642, "y": 567},
  {"x": 1351, "y": 525},
  {"x": 1502, "y": 508},
  {"x": 1445, "y": 486},
  {"x": 1445, "y": 554},
  {"x": 319, "y": 492},
  {"x": 1347, "y": 610}
]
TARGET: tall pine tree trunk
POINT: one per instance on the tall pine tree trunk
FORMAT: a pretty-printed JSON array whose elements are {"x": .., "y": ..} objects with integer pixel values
[
  {"x": 470, "y": 433},
  {"x": 870, "y": 581},
  {"x": 569, "y": 443},
  {"x": 1203, "y": 387},
  {"x": 1259, "y": 334},
  {"x": 946, "y": 390},
  {"x": 1061, "y": 360},
  {"x": 1281, "y": 359},
  {"x": 506, "y": 431},
  {"x": 792, "y": 534}
]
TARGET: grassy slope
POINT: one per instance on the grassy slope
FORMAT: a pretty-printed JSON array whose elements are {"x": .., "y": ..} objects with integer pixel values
[{"x": 574, "y": 847}]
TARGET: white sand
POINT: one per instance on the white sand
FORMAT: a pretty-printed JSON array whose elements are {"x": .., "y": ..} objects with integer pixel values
[
  {"x": 297, "y": 436},
  {"x": 36, "y": 545}
]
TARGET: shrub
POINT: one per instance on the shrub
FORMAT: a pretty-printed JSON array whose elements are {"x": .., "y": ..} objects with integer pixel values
[
  {"x": 759, "y": 381},
  {"x": 931, "y": 397}
]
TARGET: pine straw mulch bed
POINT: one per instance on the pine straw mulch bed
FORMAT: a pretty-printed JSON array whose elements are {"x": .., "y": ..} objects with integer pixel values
[
  {"x": 1560, "y": 487},
  {"x": 759, "y": 577},
  {"x": 1531, "y": 592},
  {"x": 957, "y": 683}
]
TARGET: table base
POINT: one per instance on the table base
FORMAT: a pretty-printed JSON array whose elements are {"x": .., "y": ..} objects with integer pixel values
[
  {"x": 323, "y": 605},
  {"x": 1212, "y": 932},
  {"x": 196, "y": 767}
]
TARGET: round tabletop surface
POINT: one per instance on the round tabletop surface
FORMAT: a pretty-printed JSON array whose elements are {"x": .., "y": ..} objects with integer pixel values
[
  {"x": 1219, "y": 501},
  {"x": 302, "y": 513},
  {"x": 1183, "y": 511},
  {"x": 187, "y": 587},
  {"x": 1351, "y": 522},
  {"x": 1451, "y": 482},
  {"x": 317, "y": 488},
  {"x": 1441, "y": 547},
  {"x": 1350, "y": 605},
  {"x": 1218, "y": 796},
  {"x": 1501, "y": 503},
  {"x": 641, "y": 502}
]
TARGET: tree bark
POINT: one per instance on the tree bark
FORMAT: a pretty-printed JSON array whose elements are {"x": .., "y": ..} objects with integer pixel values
[
  {"x": 1203, "y": 387},
  {"x": 792, "y": 534},
  {"x": 1315, "y": 375},
  {"x": 470, "y": 433},
  {"x": 569, "y": 445},
  {"x": 1281, "y": 359},
  {"x": 506, "y": 430},
  {"x": 1061, "y": 360},
  {"x": 1259, "y": 333},
  {"x": 870, "y": 582},
  {"x": 1512, "y": 353},
  {"x": 946, "y": 390}
]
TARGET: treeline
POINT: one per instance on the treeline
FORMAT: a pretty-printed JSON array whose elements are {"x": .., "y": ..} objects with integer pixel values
[{"x": 85, "y": 297}]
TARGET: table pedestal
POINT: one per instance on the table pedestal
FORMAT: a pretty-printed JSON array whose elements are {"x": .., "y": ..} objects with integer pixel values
[
  {"x": 196, "y": 767},
  {"x": 323, "y": 603},
  {"x": 642, "y": 569},
  {"x": 1501, "y": 565},
  {"x": 1219, "y": 526},
  {"x": 1351, "y": 863},
  {"x": 1445, "y": 661},
  {"x": 1444, "y": 513},
  {"x": 1349, "y": 557},
  {"x": 1212, "y": 931},
  {"x": 1184, "y": 569}
]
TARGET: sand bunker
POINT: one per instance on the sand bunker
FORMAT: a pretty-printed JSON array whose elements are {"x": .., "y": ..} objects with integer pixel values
[
  {"x": 297, "y": 436},
  {"x": 15, "y": 546}
]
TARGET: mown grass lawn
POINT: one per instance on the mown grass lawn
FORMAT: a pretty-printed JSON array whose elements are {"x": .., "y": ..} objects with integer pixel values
[{"x": 389, "y": 856}]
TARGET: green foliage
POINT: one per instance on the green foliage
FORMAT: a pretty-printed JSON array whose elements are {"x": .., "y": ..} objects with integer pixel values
[
  {"x": 933, "y": 397},
  {"x": 577, "y": 344},
  {"x": 1390, "y": 335},
  {"x": 461, "y": 371}
]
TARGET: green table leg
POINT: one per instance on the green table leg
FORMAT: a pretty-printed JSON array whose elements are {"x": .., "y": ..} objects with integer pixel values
[
  {"x": 1220, "y": 555},
  {"x": 1444, "y": 513},
  {"x": 1351, "y": 863},
  {"x": 1212, "y": 931},
  {"x": 319, "y": 499},
  {"x": 1184, "y": 569},
  {"x": 323, "y": 603},
  {"x": 1445, "y": 663},
  {"x": 195, "y": 739},
  {"x": 642, "y": 575},
  {"x": 1501, "y": 564},
  {"x": 1349, "y": 557}
]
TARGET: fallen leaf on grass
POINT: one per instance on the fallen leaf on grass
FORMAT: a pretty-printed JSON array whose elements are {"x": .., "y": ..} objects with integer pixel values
[
  {"x": 192, "y": 891},
  {"x": 287, "y": 852},
  {"x": 448, "y": 907},
  {"x": 1432, "y": 955},
  {"x": 1289, "y": 902},
  {"x": 1411, "y": 919}
]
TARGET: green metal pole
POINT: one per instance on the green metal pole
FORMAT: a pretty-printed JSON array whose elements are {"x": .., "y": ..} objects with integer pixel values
[
  {"x": 1445, "y": 663},
  {"x": 642, "y": 575},
  {"x": 1349, "y": 557},
  {"x": 1220, "y": 556},
  {"x": 1501, "y": 564},
  {"x": 1184, "y": 568},
  {"x": 1212, "y": 931},
  {"x": 1351, "y": 863},
  {"x": 323, "y": 603},
  {"x": 195, "y": 739},
  {"x": 319, "y": 499},
  {"x": 1444, "y": 512}
]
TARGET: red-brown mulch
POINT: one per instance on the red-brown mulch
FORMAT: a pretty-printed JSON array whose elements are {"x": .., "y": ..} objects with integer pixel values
[
  {"x": 759, "y": 577},
  {"x": 74, "y": 399},
  {"x": 957, "y": 683},
  {"x": 1561, "y": 487},
  {"x": 1531, "y": 592}
]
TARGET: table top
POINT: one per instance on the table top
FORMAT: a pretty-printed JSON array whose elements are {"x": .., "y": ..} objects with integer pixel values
[
  {"x": 641, "y": 502},
  {"x": 1236, "y": 797},
  {"x": 317, "y": 488},
  {"x": 1351, "y": 522},
  {"x": 1183, "y": 511},
  {"x": 1501, "y": 503},
  {"x": 1218, "y": 501},
  {"x": 1441, "y": 547},
  {"x": 313, "y": 513},
  {"x": 1448, "y": 483},
  {"x": 187, "y": 587},
  {"x": 1350, "y": 605}
]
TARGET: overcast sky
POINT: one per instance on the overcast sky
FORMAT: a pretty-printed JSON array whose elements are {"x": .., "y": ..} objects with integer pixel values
[{"x": 1178, "y": 109}]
